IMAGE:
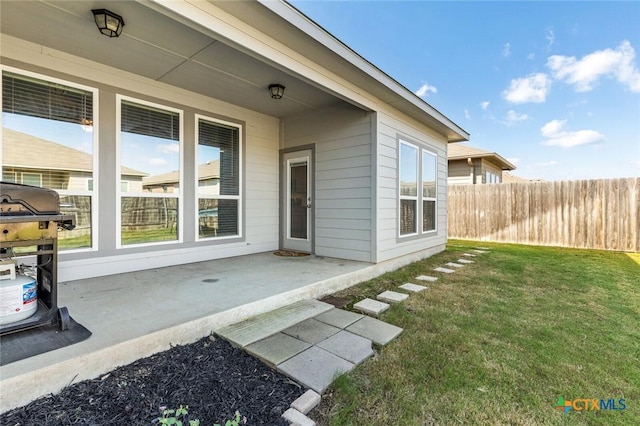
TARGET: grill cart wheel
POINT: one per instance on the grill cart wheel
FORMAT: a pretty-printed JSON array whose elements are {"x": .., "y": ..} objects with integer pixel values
[{"x": 63, "y": 318}]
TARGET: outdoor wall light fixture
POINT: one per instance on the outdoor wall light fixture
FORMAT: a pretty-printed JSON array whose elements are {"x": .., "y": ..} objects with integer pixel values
[
  {"x": 276, "y": 91},
  {"x": 109, "y": 23}
]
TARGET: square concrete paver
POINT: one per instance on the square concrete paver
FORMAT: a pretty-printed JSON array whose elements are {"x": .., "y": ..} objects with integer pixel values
[
  {"x": 277, "y": 348},
  {"x": 426, "y": 278},
  {"x": 379, "y": 332},
  {"x": 311, "y": 331},
  {"x": 315, "y": 368},
  {"x": 469, "y": 255},
  {"x": 465, "y": 261},
  {"x": 349, "y": 346},
  {"x": 307, "y": 401},
  {"x": 480, "y": 251},
  {"x": 454, "y": 265},
  {"x": 444, "y": 270},
  {"x": 339, "y": 318},
  {"x": 414, "y": 288},
  {"x": 391, "y": 296},
  {"x": 371, "y": 307}
]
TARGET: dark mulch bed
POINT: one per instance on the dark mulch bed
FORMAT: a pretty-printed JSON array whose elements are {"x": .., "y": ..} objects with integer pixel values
[{"x": 210, "y": 376}]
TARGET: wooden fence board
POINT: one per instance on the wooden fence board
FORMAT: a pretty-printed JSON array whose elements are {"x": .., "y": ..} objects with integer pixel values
[{"x": 598, "y": 214}]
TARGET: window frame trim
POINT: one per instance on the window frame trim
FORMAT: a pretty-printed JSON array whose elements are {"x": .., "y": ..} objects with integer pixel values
[
  {"x": 239, "y": 197},
  {"x": 95, "y": 146},
  {"x": 401, "y": 197},
  {"x": 118, "y": 175},
  {"x": 421, "y": 233}
]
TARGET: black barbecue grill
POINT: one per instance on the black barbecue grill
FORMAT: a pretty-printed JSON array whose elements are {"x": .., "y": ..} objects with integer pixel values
[{"x": 29, "y": 221}]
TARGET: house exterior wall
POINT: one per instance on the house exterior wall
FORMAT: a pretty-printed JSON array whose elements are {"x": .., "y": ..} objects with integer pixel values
[
  {"x": 343, "y": 204},
  {"x": 488, "y": 166},
  {"x": 259, "y": 164},
  {"x": 459, "y": 173},
  {"x": 391, "y": 128}
]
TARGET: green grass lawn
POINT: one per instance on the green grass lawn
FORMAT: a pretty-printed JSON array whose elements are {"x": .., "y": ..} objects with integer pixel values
[{"x": 500, "y": 340}]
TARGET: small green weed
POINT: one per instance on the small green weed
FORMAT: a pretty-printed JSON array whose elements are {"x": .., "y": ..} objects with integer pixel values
[{"x": 177, "y": 417}]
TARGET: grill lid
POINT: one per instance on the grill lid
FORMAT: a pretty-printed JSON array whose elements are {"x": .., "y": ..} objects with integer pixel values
[{"x": 22, "y": 200}]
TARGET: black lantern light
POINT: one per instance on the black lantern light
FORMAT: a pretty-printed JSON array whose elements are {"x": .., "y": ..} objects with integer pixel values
[
  {"x": 109, "y": 23},
  {"x": 276, "y": 91}
]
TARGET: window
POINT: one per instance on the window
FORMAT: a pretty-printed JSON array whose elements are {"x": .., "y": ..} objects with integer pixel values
[
  {"x": 418, "y": 213},
  {"x": 150, "y": 176},
  {"x": 429, "y": 188},
  {"x": 218, "y": 179},
  {"x": 408, "y": 188},
  {"x": 48, "y": 141},
  {"x": 491, "y": 178}
]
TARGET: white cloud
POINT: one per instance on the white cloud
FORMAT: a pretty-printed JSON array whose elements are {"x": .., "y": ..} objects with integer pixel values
[
  {"x": 555, "y": 135},
  {"x": 169, "y": 148},
  {"x": 546, "y": 164},
  {"x": 484, "y": 105},
  {"x": 551, "y": 38},
  {"x": 513, "y": 117},
  {"x": 533, "y": 88},
  {"x": 583, "y": 74},
  {"x": 553, "y": 128},
  {"x": 426, "y": 88},
  {"x": 531, "y": 56},
  {"x": 156, "y": 161},
  {"x": 506, "y": 50},
  {"x": 466, "y": 114}
]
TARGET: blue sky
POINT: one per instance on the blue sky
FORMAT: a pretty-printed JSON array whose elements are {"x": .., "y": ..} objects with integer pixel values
[{"x": 554, "y": 87}]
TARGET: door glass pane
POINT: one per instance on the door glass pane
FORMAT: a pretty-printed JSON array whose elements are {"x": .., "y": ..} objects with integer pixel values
[{"x": 298, "y": 201}]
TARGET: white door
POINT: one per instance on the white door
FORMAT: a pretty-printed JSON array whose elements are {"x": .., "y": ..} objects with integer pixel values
[{"x": 297, "y": 229}]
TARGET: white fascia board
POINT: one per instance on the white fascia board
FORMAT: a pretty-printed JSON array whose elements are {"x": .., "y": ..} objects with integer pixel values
[{"x": 303, "y": 23}]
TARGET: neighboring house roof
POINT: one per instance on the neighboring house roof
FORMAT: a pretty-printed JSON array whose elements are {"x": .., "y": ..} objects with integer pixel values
[
  {"x": 21, "y": 150},
  {"x": 507, "y": 177},
  {"x": 210, "y": 170},
  {"x": 462, "y": 152}
]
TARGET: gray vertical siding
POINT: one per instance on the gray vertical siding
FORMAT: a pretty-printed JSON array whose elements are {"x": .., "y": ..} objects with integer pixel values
[{"x": 343, "y": 178}]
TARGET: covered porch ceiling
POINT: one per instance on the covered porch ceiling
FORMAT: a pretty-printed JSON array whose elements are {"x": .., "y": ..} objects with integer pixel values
[{"x": 166, "y": 50}]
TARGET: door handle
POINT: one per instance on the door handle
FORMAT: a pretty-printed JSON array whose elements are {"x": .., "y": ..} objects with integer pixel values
[{"x": 308, "y": 203}]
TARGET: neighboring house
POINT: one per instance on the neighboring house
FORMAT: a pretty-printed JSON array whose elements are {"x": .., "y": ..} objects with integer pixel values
[
  {"x": 508, "y": 177},
  {"x": 469, "y": 165},
  {"x": 35, "y": 161},
  {"x": 347, "y": 164}
]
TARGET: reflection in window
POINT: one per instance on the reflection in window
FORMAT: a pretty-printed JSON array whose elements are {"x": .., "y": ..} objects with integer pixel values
[
  {"x": 408, "y": 188},
  {"x": 150, "y": 178},
  {"x": 48, "y": 141},
  {"x": 218, "y": 175},
  {"x": 429, "y": 187}
]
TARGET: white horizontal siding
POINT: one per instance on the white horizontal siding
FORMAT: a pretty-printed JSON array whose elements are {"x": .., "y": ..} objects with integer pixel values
[
  {"x": 388, "y": 244},
  {"x": 343, "y": 181}
]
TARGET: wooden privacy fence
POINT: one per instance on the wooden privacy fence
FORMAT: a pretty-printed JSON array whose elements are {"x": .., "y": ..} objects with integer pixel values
[{"x": 597, "y": 214}]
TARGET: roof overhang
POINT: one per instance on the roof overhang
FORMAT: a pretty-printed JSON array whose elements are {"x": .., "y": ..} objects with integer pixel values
[{"x": 495, "y": 158}]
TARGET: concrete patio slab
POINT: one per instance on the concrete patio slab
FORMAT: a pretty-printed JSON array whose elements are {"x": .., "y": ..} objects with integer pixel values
[
  {"x": 427, "y": 278},
  {"x": 261, "y": 326},
  {"x": 379, "y": 332},
  {"x": 349, "y": 346},
  {"x": 414, "y": 288},
  {"x": 276, "y": 349},
  {"x": 371, "y": 307},
  {"x": 339, "y": 318},
  {"x": 311, "y": 331},
  {"x": 465, "y": 261},
  {"x": 391, "y": 296},
  {"x": 307, "y": 401},
  {"x": 469, "y": 255},
  {"x": 315, "y": 368},
  {"x": 444, "y": 270},
  {"x": 454, "y": 265}
]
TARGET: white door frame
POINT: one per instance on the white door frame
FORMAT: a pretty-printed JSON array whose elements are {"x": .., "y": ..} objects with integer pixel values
[{"x": 291, "y": 158}]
